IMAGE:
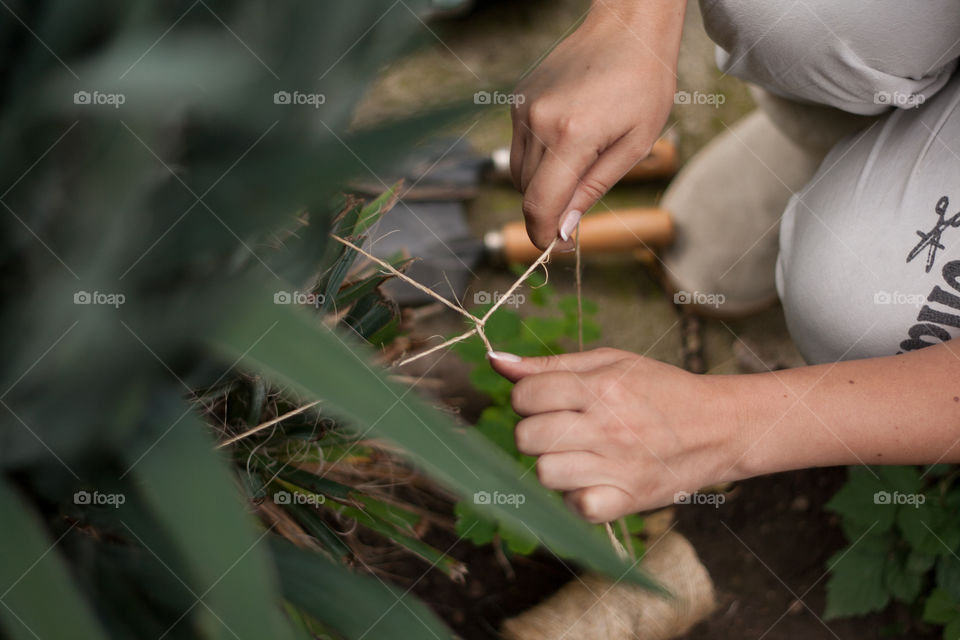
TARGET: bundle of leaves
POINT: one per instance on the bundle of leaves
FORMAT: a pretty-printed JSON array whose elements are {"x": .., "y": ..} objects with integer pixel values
[
  {"x": 903, "y": 525},
  {"x": 322, "y": 485}
]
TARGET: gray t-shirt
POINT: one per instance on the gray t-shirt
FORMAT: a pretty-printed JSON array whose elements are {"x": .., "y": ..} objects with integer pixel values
[{"x": 869, "y": 259}]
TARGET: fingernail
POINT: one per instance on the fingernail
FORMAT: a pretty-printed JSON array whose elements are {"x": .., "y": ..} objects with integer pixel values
[
  {"x": 569, "y": 223},
  {"x": 503, "y": 355}
]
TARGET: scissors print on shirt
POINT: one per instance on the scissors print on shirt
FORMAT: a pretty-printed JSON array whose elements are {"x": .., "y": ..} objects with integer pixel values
[{"x": 930, "y": 240}]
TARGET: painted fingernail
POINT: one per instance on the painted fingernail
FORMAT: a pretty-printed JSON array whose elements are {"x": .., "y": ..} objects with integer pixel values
[
  {"x": 503, "y": 355},
  {"x": 569, "y": 223}
]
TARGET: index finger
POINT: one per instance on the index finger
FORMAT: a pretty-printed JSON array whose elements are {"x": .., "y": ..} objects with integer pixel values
[{"x": 550, "y": 190}]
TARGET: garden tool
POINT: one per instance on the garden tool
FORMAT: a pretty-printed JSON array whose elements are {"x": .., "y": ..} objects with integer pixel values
[
  {"x": 436, "y": 233},
  {"x": 446, "y": 169}
]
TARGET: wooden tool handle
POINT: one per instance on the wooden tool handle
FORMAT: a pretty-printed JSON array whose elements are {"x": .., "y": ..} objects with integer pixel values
[
  {"x": 661, "y": 163},
  {"x": 611, "y": 231}
]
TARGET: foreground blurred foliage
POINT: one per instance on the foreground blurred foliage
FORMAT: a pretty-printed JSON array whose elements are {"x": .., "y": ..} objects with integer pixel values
[{"x": 145, "y": 242}]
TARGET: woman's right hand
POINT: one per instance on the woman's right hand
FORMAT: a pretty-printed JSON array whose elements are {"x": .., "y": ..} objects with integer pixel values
[{"x": 592, "y": 110}]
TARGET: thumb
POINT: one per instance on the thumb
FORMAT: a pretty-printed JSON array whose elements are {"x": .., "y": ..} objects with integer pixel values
[{"x": 514, "y": 368}]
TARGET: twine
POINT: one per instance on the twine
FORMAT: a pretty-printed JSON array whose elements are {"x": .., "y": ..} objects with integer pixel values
[{"x": 480, "y": 322}]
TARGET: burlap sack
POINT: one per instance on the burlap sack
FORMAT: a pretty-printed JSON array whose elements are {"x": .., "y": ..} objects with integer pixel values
[{"x": 593, "y": 607}]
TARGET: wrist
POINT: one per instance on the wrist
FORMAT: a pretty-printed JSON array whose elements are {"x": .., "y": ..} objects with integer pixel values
[
  {"x": 657, "y": 24},
  {"x": 737, "y": 408}
]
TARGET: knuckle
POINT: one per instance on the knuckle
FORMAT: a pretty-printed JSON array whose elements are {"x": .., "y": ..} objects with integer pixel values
[
  {"x": 522, "y": 437},
  {"x": 538, "y": 115},
  {"x": 545, "y": 470},
  {"x": 520, "y": 395},
  {"x": 609, "y": 352},
  {"x": 570, "y": 127},
  {"x": 532, "y": 209},
  {"x": 589, "y": 506},
  {"x": 615, "y": 392},
  {"x": 615, "y": 432},
  {"x": 593, "y": 188}
]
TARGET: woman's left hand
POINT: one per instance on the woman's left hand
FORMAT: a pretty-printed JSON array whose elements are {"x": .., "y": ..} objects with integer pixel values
[{"x": 620, "y": 433}]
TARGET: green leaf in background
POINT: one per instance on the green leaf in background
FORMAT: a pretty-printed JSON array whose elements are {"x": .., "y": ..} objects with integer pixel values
[
  {"x": 857, "y": 501},
  {"x": 948, "y": 575},
  {"x": 930, "y": 528},
  {"x": 904, "y": 585},
  {"x": 940, "y": 608},
  {"x": 856, "y": 584},
  {"x": 904, "y": 523}
]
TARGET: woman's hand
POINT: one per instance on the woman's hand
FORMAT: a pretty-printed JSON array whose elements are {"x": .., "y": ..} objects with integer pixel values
[
  {"x": 620, "y": 433},
  {"x": 592, "y": 110}
]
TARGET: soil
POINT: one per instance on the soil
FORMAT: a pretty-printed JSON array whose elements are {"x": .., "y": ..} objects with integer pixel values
[{"x": 766, "y": 549}]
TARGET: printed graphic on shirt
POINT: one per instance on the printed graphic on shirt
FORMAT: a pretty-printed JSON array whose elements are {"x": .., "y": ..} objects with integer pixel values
[
  {"x": 934, "y": 322},
  {"x": 930, "y": 240}
]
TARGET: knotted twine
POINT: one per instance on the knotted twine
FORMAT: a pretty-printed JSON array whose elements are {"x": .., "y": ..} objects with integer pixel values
[{"x": 479, "y": 323}]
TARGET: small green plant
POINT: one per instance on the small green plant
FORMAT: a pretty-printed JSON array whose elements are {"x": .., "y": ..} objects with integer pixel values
[
  {"x": 903, "y": 526},
  {"x": 540, "y": 335}
]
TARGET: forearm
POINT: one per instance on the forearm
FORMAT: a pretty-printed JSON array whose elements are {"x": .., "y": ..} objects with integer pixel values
[{"x": 902, "y": 409}]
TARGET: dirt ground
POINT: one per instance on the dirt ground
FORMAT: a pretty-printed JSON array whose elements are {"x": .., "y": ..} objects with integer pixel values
[{"x": 766, "y": 546}]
